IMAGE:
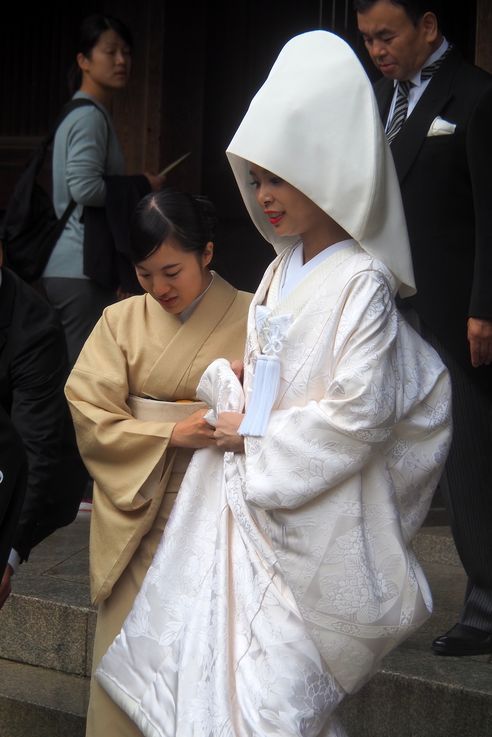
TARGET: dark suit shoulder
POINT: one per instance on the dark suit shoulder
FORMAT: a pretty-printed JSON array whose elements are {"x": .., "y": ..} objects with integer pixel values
[
  {"x": 468, "y": 83},
  {"x": 26, "y": 306}
]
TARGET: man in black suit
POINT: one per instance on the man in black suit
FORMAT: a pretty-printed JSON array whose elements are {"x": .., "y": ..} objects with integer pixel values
[
  {"x": 33, "y": 369},
  {"x": 437, "y": 110},
  {"x": 13, "y": 473}
]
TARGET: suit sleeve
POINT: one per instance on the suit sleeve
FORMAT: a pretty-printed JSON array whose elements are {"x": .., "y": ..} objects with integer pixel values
[
  {"x": 13, "y": 472},
  {"x": 38, "y": 370},
  {"x": 479, "y": 152}
]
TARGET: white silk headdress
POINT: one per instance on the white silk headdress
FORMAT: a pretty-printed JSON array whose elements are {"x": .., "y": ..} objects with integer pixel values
[{"x": 315, "y": 124}]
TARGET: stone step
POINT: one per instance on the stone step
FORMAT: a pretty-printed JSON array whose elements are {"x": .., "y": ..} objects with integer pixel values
[
  {"x": 48, "y": 621},
  {"x": 41, "y": 702},
  {"x": 417, "y": 694},
  {"x": 436, "y": 545}
]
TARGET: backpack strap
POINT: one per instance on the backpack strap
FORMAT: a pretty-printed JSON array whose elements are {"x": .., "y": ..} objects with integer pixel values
[{"x": 66, "y": 110}]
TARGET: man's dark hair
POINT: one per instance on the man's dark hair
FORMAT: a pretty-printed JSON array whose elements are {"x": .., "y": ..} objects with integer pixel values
[{"x": 415, "y": 9}]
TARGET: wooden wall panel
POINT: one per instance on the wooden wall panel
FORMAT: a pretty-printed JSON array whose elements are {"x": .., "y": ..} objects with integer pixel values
[
  {"x": 137, "y": 109},
  {"x": 483, "y": 46}
]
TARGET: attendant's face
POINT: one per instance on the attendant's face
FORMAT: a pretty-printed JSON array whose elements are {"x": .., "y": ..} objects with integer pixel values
[
  {"x": 395, "y": 44},
  {"x": 289, "y": 211},
  {"x": 175, "y": 277},
  {"x": 109, "y": 62}
]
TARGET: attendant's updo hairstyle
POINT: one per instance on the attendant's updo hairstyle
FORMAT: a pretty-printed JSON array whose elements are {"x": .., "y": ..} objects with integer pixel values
[
  {"x": 189, "y": 219},
  {"x": 90, "y": 31}
]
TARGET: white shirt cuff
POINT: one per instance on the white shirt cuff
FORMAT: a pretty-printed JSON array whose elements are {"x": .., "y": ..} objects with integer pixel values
[{"x": 14, "y": 560}]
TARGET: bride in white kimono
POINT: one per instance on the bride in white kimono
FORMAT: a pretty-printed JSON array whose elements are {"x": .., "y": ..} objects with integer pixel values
[{"x": 286, "y": 571}]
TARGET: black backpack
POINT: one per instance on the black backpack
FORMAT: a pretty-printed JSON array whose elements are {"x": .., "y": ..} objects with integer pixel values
[{"x": 30, "y": 228}]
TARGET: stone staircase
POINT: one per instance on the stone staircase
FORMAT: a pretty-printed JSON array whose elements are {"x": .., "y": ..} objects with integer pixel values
[
  {"x": 46, "y": 634},
  {"x": 47, "y": 627}
]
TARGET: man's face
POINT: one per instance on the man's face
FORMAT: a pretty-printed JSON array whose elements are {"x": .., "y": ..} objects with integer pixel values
[{"x": 397, "y": 47}]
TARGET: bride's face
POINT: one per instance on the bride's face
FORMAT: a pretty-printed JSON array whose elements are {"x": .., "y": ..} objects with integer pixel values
[{"x": 289, "y": 211}]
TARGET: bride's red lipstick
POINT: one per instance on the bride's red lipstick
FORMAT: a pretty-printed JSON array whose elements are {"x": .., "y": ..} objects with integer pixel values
[{"x": 274, "y": 216}]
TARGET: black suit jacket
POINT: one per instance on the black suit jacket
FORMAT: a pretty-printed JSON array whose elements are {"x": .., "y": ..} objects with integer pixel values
[
  {"x": 13, "y": 474},
  {"x": 446, "y": 185},
  {"x": 33, "y": 369}
]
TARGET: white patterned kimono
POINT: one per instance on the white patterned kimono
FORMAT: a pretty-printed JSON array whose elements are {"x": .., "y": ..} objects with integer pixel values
[{"x": 284, "y": 575}]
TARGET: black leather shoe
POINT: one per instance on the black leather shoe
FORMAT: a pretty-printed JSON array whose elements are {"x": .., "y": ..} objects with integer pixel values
[{"x": 463, "y": 640}]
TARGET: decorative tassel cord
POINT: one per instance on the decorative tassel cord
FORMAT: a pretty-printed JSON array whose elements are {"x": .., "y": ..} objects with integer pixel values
[{"x": 266, "y": 382}]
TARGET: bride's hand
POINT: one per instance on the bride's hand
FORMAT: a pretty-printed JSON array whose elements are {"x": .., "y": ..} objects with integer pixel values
[{"x": 226, "y": 432}]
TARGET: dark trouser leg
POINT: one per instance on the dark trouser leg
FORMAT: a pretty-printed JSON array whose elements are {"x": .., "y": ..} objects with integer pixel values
[
  {"x": 467, "y": 488},
  {"x": 79, "y": 304}
]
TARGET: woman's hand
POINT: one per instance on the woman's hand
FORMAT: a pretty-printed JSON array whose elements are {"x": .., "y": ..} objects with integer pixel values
[
  {"x": 193, "y": 432},
  {"x": 226, "y": 432}
]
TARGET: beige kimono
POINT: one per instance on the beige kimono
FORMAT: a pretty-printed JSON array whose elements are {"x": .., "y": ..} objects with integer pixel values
[{"x": 136, "y": 351}]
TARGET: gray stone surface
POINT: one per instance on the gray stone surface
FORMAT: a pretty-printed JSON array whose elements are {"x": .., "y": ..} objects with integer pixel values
[
  {"x": 49, "y": 621},
  {"x": 435, "y": 545},
  {"x": 44, "y": 633},
  {"x": 419, "y": 694},
  {"x": 41, "y": 703}
]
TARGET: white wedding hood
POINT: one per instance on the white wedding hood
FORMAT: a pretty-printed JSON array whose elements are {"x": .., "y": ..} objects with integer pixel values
[{"x": 315, "y": 124}]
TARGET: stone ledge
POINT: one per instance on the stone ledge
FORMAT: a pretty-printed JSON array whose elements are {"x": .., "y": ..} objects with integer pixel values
[
  {"x": 40, "y": 702},
  {"x": 423, "y": 695},
  {"x": 436, "y": 545}
]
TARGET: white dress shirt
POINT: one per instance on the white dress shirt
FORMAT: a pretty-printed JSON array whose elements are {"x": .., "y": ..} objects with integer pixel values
[{"x": 418, "y": 86}]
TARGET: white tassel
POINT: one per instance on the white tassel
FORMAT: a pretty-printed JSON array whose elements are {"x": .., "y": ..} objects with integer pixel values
[{"x": 266, "y": 382}]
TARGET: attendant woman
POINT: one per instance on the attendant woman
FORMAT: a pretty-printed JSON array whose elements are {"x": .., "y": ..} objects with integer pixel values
[
  {"x": 132, "y": 395},
  {"x": 287, "y": 573}
]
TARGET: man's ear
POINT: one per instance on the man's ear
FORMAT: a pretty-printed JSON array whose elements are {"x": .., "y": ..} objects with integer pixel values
[
  {"x": 430, "y": 26},
  {"x": 1, "y": 254}
]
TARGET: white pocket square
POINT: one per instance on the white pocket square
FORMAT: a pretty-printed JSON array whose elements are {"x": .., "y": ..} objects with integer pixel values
[{"x": 441, "y": 127}]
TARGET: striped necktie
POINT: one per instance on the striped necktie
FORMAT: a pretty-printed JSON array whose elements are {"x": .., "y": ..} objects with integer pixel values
[
  {"x": 400, "y": 111},
  {"x": 401, "y": 104}
]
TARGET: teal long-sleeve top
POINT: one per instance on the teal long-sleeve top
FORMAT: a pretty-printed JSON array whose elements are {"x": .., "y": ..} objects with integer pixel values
[{"x": 85, "y": 149}]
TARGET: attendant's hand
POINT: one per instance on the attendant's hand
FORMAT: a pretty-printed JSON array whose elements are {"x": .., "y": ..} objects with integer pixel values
[
  {"x": 5, "y": 587},
  {"x": 156, "y": 182},
  {"x": 480, "y": 339},
  {"x": 193, "y": 432},
  {"x": 226, "y": 432}
]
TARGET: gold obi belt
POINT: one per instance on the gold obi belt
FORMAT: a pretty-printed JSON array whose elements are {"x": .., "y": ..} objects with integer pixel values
[{"x": 154, "y": 410}]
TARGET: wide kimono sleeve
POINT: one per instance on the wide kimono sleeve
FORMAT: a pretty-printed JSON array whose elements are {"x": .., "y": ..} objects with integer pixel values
[
  {"x": 119, "y": 451},
  {"x": 374, "y": 374}
]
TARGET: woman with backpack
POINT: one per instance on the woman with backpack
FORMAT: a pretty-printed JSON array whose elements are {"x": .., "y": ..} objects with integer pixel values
[{"x": 85, "y": 151}]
